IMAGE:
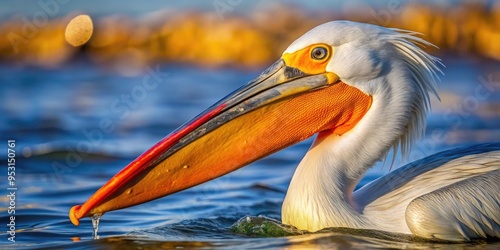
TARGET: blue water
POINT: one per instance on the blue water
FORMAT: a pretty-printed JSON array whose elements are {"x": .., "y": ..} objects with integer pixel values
[{"x": 51, "y": 113}]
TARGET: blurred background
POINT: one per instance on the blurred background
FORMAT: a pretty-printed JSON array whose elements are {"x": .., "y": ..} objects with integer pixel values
[
  {"x": 220, "y": 33},
  {"x": 79, "y": 114}
]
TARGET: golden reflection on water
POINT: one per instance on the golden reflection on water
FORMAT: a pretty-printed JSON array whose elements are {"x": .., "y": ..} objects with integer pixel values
[{"x": 254, "y": 39}]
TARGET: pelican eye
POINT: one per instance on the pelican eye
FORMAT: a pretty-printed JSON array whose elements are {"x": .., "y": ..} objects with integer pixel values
[{"x": 319, "y": 53}]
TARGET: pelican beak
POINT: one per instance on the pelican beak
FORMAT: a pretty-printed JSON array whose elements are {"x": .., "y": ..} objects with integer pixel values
[{"x": 281, "y": 107}]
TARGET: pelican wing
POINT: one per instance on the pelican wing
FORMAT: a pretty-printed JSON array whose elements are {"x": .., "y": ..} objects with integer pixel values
[
  {"x": 386, "y": 201},
  {"x": 467, "y": 209}
]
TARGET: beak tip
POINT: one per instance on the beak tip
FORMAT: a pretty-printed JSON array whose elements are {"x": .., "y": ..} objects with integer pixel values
[{"x": 75, "y": 219}]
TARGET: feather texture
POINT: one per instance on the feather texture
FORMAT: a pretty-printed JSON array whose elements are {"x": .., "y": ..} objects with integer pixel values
[
  {"x": 388, "y": 65},
  {"x": 459, "y": 211}
]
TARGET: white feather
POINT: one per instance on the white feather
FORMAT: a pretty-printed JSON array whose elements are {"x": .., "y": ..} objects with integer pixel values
[{"x": 387, "y": 65}]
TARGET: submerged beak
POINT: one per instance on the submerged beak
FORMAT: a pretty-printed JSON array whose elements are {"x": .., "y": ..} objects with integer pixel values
[{"x": 281, "y": 107}]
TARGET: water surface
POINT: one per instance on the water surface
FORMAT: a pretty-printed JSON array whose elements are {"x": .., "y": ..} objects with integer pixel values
[{"x": 64, "y": 155}]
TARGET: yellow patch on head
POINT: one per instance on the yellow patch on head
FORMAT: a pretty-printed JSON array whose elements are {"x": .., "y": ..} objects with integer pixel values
[{"x": 310, "y": 60}]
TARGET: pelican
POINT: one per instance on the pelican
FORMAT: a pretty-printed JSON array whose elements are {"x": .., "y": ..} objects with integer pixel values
[{"x": 362, "y": 90}]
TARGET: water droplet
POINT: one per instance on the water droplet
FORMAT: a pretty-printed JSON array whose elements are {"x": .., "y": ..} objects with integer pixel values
[
  {"x": 95, "y": 225},
  {"x": 186, "y": 166}
]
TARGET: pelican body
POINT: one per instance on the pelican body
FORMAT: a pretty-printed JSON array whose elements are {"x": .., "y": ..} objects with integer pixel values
[{"x": 362, "y": 90}]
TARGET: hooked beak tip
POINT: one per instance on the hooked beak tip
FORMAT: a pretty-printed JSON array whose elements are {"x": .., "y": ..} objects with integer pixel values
[{"x": 72, "y": 215}]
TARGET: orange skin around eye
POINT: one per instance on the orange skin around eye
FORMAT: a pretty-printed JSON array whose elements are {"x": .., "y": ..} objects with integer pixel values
[{"x": 302, "y": 59}]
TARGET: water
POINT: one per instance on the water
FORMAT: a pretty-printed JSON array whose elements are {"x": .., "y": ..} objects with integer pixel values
[
  {"x": 95, "y": 225},
  {"x": 64, "y": 153}
]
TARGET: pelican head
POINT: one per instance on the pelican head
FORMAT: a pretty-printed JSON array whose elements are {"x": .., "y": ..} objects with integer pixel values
[{"x": 361, "y": 88}]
